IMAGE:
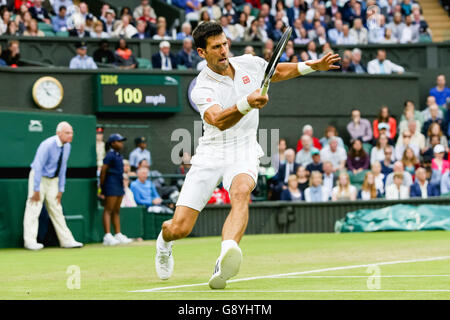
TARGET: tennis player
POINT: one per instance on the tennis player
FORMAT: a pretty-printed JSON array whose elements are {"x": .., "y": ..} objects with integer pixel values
[{"x": 227, "y": 93}]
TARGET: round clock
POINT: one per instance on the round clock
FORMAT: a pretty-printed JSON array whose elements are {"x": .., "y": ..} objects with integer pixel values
[{"x": 47, "y": 93}]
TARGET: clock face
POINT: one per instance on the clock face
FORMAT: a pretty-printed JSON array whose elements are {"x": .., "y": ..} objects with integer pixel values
[{"x": 47, "y": 93}]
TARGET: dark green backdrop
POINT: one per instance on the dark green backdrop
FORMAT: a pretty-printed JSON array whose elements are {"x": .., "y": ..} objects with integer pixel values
[{"x": 22, "y": 132}]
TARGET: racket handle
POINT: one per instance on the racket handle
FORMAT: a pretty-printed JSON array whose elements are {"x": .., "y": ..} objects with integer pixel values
[{"x": 264, "y": 89}]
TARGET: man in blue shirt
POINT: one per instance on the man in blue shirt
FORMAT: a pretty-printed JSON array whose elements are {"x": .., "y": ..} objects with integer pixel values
[
  {"x": 82, "y": 60},
  {"x": 440, "y": 92},
  {"x": 140, "y": 153},
  {"x": 59, "y": 22},
  {"x": 46, "y": 182},
  {"x": 66, "y": 3},
  {"x": 144, "y": 190}
]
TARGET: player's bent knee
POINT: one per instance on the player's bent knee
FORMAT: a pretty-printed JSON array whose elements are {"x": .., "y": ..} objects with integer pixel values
[
  {"x": 240, "y": 193},
  {"x": 177, "y": 231},
  {"x": 180, "y": 232}
]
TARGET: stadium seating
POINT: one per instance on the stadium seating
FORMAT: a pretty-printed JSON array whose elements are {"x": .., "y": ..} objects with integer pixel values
[
  {"x": 62, "y": 34},
  {"x": 357, "y": 179},
  {"x": 47, "y": 29},
  {"x": 144, "y": 63}
]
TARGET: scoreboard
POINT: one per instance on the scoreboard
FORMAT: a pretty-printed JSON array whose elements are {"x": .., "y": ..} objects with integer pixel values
[{"x": 137, "y": 93}]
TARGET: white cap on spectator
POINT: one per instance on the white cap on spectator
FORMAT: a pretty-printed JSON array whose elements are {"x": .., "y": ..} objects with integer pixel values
[
  {"x": 438, "y": 148},
  {"x": 383, "y": 125},
  {"x": 164, "y": 44},
  {"x": 307, "y": 127}
]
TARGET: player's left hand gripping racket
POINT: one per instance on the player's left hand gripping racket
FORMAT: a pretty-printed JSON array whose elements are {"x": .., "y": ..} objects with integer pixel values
[{"x": 271, "y": 67}]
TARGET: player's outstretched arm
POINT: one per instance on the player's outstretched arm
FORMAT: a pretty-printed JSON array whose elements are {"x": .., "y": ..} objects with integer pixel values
[
  {"x": 289, "y": 70},
  {"x": 226, "y": 118}
]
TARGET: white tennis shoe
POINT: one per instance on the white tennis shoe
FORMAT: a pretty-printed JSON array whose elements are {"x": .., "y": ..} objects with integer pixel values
[
  {"x": 74, "y": 244},
  {"x": 164, "y": 263},
  {"x": 123, "y": 239},
  {"x": 227, "y": 266},
  {"x": 109, "y": 240},
  {"x": 34, "y": 246}
]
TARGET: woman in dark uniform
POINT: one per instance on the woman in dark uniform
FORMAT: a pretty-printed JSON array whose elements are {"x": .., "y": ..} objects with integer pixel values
[{"x": 111, "y": 183}]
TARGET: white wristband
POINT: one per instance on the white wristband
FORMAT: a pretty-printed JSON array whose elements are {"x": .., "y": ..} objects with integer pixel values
[
  {"x": 243, "y": 105},
  {"x": 303, "y": 69}
]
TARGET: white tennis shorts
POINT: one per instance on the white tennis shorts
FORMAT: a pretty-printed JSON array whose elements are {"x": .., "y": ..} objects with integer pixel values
[{"x": 205, "y": 175}]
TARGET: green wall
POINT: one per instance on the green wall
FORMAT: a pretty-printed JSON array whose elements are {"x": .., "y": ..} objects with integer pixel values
[{"x": 22, "y": 132}]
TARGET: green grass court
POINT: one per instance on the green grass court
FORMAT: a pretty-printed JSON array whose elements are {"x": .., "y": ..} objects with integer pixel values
[{"x": 412, "y": 265}]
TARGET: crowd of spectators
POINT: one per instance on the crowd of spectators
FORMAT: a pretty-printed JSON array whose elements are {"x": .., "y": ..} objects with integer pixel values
[
  {"x": 336, "y": 21},
  {"x": 316, "y": 24},
  {"x": 390, "y": 157},
  {"x": 64, "y": 18}
]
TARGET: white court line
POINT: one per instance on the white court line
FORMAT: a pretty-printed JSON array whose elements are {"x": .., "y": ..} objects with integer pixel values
[
  {"x": 296, "y": 291},
  {"x": 392, "y": 276},
  {"x": 297, "y": 273}
]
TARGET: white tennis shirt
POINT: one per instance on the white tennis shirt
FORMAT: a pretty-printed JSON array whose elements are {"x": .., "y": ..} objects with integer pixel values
[{"x": 212, "y": 88}]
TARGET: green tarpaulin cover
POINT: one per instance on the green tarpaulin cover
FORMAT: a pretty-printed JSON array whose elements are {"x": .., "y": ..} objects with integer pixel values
[{"x": 396, "y": 218}]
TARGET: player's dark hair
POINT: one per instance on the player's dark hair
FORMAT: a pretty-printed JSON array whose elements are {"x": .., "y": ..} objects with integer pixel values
[{"x": 205, "y": 30}]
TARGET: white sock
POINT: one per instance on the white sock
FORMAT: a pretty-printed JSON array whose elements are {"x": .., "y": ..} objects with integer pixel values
[
  {"x": 162, "y": 244},
  {"x": 226, "y": 244}
]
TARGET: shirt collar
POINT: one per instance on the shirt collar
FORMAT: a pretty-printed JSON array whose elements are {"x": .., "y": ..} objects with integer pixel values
[{"x": 59, "y": 142}]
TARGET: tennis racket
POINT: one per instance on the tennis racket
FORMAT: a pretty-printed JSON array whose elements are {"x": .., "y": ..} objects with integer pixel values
[{"x": 271, "y": 67}]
